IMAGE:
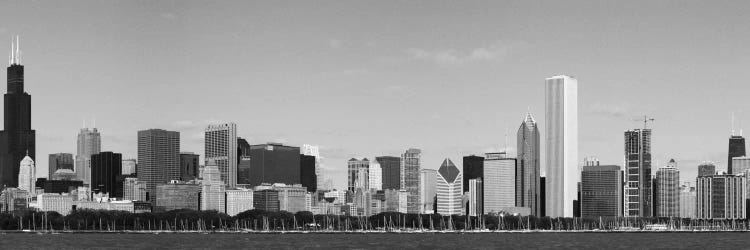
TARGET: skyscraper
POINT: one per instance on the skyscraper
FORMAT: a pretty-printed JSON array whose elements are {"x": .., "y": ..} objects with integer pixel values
[
  {"x": 59, "y": 161},
  {"x": 601, "y": 191},
  {"x": 189, "y": 166},
  {"x": 129, "y": 166},
  {"x": 243, "y": 161},
  {"x": 391, "y": 168},
  {"x": 312, "y": 150},
  {"x": 449, "y": 189},
  {"x": 638, "y": 173},
  {"x": 736, "y": 149},
  {"x": 274, "y": 163},
  {"x": 376, "y": 176},
  {"x": 307, "y": 172},
  {"x": 721, "y": 197},
  {"x": 158, "y": 157},
  {"x": 105, "y": 168},
  {"x": 499, "y": 183},
  {"x": 527, "y": 169},
  {"x": 27, "y": 175},
  {"x": 18, "y": 139},
  {"x": 133, "y": 189},
  {"x": 561, "y": 113},
  {"x": 687, "y": 201},
  {"x": 475, "y": 207},
  {"x": 353, "y": 167},
  {"x": 221, "y": 147},
  {"x": 212, "y": 188},
  {"x": 89, "y": 143},
  {"x": 740, "y": 164},
  {"x": 473, "y": 168},
  {"x": 667, "y": 200},
  {"x": 410, "y": 165},
  {"x": 427, "y": 184},
  {"x": 706, "y": 169}
]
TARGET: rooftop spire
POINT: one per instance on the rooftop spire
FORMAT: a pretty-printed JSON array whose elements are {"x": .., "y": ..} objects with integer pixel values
[{"x": 15, "y": 51}]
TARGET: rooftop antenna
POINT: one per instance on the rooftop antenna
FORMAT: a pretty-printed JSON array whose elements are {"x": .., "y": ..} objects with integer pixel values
[
  {"x": 732, "y": 123},
  {"x": 12, "y": 52}
]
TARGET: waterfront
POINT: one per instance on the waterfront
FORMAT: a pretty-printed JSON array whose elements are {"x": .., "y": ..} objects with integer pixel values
[{"x": 590, "y": 240}]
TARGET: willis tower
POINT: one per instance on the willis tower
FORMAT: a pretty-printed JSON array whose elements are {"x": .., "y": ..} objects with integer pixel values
[{"x": 18, "y": 139}]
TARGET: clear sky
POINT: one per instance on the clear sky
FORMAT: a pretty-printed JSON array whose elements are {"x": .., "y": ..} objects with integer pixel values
[{"x": 369, "y": 78}]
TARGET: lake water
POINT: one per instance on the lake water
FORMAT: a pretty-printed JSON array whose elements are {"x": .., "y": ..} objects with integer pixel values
[{"x": 664, "y": 240}]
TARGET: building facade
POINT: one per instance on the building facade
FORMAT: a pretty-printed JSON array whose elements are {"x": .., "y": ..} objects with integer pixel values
[
  {"x": 189, "y": 166},
  {"x": 667, "y": 195},
  {"x": 274, "y": 163},
  {"x": 687, "y": 201},
  {"x": 221, "y": 147},
  {"x": 308, "y": 179},
  {"x": 721, "y": 197},
  {"x": 561, "y": 115},
  {"x": 158, "y": 157},
  {"x": 427, "y": 190},
  {"x": 129, "y": 166},
  {"x": 105, "y": 169},
  {"x": 134, "y": 190},
  {"x": 475, "y": 206},
  {"x": 239, "y": 200},
  {"x": 449, "y": 189},
  {"x": 411, "y": 162},
  {"x": 376, "y": 176},
  {"x": 601, "y": 191},
  {"x": 59, "y": 161},
  {"x": 354, "y": 169},
  {"x": 499, "y": 183},
  {"x": 61, "y": 203},
  {"x": 740, "y": 165},
  {"x": 638, "y": 190},
  {"x": 177, "y": 195},
  {"x": 527, "y": 168},
  {"x": 706, "y": 169}
]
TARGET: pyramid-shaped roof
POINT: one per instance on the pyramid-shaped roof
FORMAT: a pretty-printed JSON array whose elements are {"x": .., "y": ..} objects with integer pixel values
[{"x": 448, "y": 170}]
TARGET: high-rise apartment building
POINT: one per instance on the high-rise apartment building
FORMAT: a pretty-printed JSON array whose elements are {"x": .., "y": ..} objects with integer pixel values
[
  {"x": 527, "y": 169},
  {"x": 189, "y": 166},
  {"x": 353, "y": 169},
  {"x": 221, "y": 147},
  {"x": 638, "y": 188},
  {"x": 18, "y": 139},
  {"x": 601, "y": 191},
  {"x": 499, "y": 183},
  {"x": 561, "y": 115},
  {"x": 274, "y": 163},
  {"x": 411, "y": 162},
  {"x": 89, "y": 143},
  {"x": 449, "y": 189},
  {"x": 59, "y": 161},
  {"x": 106, "y": 167},
  {"x": 736, "y": 149},
  {"x": 687, "y": 200},
  {"x": 667, "y": 195},
  {"x": 158, "y": 157},
  {"x": 427, "y": 191},
  {"x": 391, "y": 169},
  {"x": 721, "y": 197}
]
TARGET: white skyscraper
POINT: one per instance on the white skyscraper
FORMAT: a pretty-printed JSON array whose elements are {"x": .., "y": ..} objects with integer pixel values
[
  {"x": 427, "y": 190},
  {"x": 27, "y": 175},
  {"x": 561, "y": 113},
  {"x": 313, "y": 150},
  {"x": 221, "y": 147},
  {"x": 376, "y": 176},
  {"x": 449, "y": 189},
  {"x": 499, "y": 183}
]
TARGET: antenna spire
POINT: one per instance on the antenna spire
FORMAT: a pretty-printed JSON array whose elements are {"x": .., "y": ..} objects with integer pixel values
[{"x": 732, "y": 123}]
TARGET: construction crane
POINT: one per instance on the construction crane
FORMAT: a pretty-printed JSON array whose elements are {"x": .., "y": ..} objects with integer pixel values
[{"x": 645, "y": 120}]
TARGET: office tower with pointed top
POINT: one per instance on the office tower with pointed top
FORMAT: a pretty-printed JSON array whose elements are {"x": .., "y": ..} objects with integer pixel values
[
  {"x": 561, "y": 164},
  {"x": 17, "y": 140},
  {"x": 411, "y": 160},
  {"x": 27, "y": 175},
  {"x": 527, "y": 169},
  {"x": 221, "y": 147},
  {"x": 89, "y": 143},
  {"x": 449, "y": 189},
  {"x": 736, "y": 149}
]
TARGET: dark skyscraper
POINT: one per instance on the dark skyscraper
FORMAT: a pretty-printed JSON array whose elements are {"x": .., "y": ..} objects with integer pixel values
[
  {"x": 189, "y": 166},
  {"x": 274, "y": 163},
  {"x": 736, "y": 149},
  {"x": 243, "y": 161},
  {"x": 527, "y": 169},
  {"x": 391, "y": 171},
  {"x": 158, "y": 157},
  {"x": 601, "y": 191},
  {"x": 473, "y": 168},
  {"x": 307, "y": 172},
  {"x": 59, "y": 161},
  {"x": 18, "y": 139},
  {"x": 105, "y": 167},
  {"x": 638, "y": 173},
  {"x": 706, "y": 169}
]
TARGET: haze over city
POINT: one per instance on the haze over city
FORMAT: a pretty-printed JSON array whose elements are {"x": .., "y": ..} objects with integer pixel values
[{"x": 363, "y": 79}]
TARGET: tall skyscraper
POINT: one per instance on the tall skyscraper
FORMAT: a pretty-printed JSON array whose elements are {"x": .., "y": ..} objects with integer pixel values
[
  {"x": 221, "y": 147},
  {"x": 391, "y": 168},
  {"x": 307, "y": 172},
  {"x": 706, "y": 169},
  {"x": 274, "y": 163},
  {"x": 89, "y": 143},
  {"x": 105, "y": 168},
  {"x": 427, "y": 185},
  {"x": 353, "y": 172},
  {"x": 189, "y": 166},
  {"x": 721, "y": 197},
  {"x": 736, "y": 149},
  {"x": 312, "y": 150},
  {"x": 638, "y": 173},
  {"x": 376, "y": 176},
  {"x": 18, "y": 139},
  {"x": 473, "y": 168},
  {"x": 687, "y": 200},
  {"x": 27, "y": 175},
  {"x": 158, "y": 157},
  {"x": 410, "y": 165},
  {"x": 527, "y": 169},
  {"x": 59, "y": 161},
  {"x": 475, "y": 207},
  {"x": 499, "y": 183},
  {"x": 561, "y": 113},
  {"x": 667, "y": 199},
  {"x": 243, "y": 161},
  {"x": 449, "y": 189},
  {"x": 601, "y": 191}
]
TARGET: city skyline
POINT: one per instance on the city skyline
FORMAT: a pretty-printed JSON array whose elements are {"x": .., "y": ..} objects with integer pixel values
[{"x": 426, "y": 72}]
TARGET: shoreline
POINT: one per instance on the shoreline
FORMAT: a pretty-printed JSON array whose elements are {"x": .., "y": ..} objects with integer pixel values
[{"x": 369, "y": 232}]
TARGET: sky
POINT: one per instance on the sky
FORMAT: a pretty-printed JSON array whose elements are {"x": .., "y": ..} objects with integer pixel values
[{"x": 371, "y": 78}]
